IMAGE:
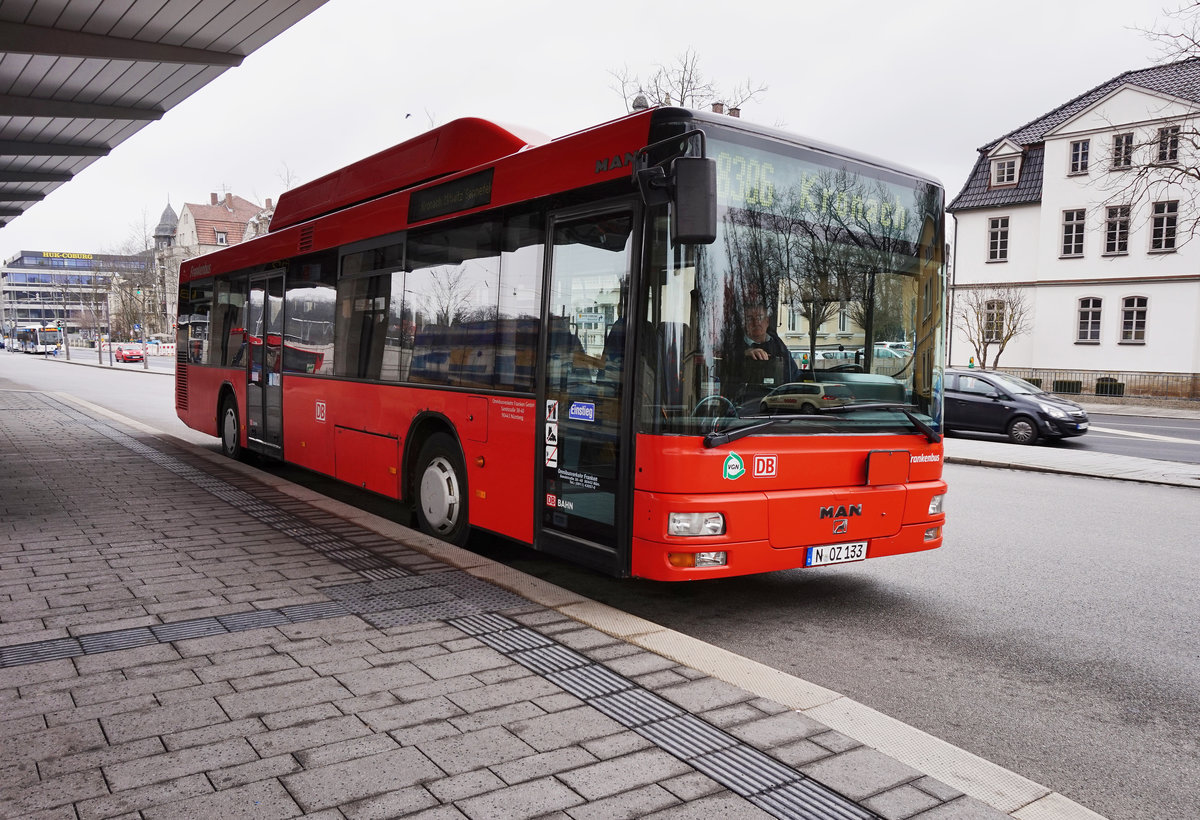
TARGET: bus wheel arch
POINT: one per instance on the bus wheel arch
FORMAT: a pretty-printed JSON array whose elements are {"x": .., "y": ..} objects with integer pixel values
[{"x": 229, "y": 423}]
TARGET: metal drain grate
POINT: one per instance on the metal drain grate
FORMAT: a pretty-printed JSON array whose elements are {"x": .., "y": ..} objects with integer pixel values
[{"x": 775, "y": 788}]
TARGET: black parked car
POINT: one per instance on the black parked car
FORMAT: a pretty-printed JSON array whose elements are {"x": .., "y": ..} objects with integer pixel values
[{"x": 991, "y": 402}]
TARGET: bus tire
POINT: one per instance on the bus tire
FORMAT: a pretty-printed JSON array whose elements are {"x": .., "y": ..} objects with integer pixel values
[
  {"x": 441, "y": 491},
  {"x": 231, "y": 439}
]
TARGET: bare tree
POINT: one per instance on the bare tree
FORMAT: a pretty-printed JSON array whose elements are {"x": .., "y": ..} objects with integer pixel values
[
  {"x": 1161, "y": 158},
  {"x": 991, "y": 317},
  {"x": 682, "y": 83}
]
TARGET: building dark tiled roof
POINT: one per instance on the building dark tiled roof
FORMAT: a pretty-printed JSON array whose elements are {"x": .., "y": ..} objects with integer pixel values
[{"x": 1180, "y": 79}]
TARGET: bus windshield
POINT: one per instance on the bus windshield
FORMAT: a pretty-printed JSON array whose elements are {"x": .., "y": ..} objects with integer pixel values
[{"x": 822, "y": 292}]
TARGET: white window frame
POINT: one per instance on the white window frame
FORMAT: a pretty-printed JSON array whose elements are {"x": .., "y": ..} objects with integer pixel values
[
  {"x": 1122, "y": 155},
  {"x": 1004, "y": 172},
  {"x": 1073, "y": 223},
  {"x": 998, "y": 239},
  {"x": 1079, "y": 157},
  {"x": 1164, "y": 224},
  {"x": 1168, "y": 144},
  {"x": 1087, "y": 328},
  {"x": 222, "y": 237},
  {"x": 1116, "y": 230},
  {"x": 1134, "y": 310},
  {"x": 993, "y": 320}
]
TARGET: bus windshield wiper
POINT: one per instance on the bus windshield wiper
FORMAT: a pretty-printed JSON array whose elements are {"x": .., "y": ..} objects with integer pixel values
[
  {"x": 716, "y": 439},
  {"x": 907, "y": 409}
]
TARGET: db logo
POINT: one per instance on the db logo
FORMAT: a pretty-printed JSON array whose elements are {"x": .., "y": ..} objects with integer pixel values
[
  {"x": 321, "y": 411},
  {"x": 765, "y": 466},
  {"x": 551, "y": 500}
]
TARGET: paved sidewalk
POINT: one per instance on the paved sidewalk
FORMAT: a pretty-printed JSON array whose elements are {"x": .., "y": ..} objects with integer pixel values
[{"x": 242, "y": 647}]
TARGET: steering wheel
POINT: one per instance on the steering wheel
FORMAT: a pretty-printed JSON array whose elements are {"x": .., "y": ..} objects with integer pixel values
[{"x": 714, "y": 407}]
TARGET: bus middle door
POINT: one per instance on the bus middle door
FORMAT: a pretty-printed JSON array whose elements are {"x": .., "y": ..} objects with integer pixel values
[
  {"x": 264, "y": 366},
  {"x": 583, "y": 493}
]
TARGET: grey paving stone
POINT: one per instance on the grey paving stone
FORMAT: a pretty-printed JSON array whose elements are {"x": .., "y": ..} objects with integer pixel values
[
  {"x": 204, "y": 735},
  {"x": 278, "y": 698},
  {"x": 621, "y": 743},
  {"x": 410, "y": 714},
  {"x": 486, "y": 748},
  {"x": 194, "y": 693},
  {"x": 15, "y": 676},
  {"x": 421, "y": 691},
  {"x": 134, "y": 773},
  {"x": 627, "y": 806},
  {"x": 305, "y": 714},
  {"x": 162, "y": 720},
  {"x": 56, "y": 742},
  {"x": 777, "y": 730},
  {"x": 860, "y": 773},
  {"x": 496, "y": 717},
  {"x": 704, "y": 694},
  {"x": 460, "y": 786},
  {"x": 900, "y": 803},
  {"x": 366, "y": 746},
  {"x": 416, "y": 735},
  {"x": 465, "y": 662},
  {"x": 724, "y": 804},
  {"x": 691, "y": 785},
  {"x": 544, "y": 764},
  {"x": 52, "y": 792},
  {"x": 129, "y": 688},
  {"x": 394, "y": 804},
  {"x": 963, "y": 808},
  {"x": 255, "y": 770},
  {"x": 527, "y": 687},
  {"x": 134, "y": 800},
  {"x": 264, "y": 800},
  {"x": 835, "y": 741},
  {"x": 727, "y": 716},
  {"x": 246, "y": 668},
  {"x": 526, "y": 800},
  {"x": 353, "y": 780},
  {"x": 640, "y": 663},
  {"x": 622, "y": 774},
  {"x": 937, "y": 788},
  {"x": 125, "y": 658},
  {"x": 380, "y": 678},
  {"x": 800, "y": 753},
  {"x": 309, "y": 736},
  {"x": 433, "y": 634},
  {"x": 567, "y": 728}
]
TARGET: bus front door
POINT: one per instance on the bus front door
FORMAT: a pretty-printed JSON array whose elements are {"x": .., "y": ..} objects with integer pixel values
[
  {"x": 583, "y": 508},
  {"x": 264, "y": 387}
]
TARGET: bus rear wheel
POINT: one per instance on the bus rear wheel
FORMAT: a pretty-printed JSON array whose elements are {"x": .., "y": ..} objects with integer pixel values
[
  {"x": 442, "y": 490},
  {"x": 231, "y": 440}
]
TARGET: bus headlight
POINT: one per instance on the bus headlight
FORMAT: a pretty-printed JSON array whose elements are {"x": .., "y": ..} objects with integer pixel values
[
  {"x": 707, "y": 523},
  {"x": 935, "y": 504}
]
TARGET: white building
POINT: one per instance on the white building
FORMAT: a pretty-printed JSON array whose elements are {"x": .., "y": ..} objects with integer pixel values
[{"x": 1088, "y": 213}]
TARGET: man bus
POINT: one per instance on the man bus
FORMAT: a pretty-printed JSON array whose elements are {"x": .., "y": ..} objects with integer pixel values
[{"x": 539, "y": 339}]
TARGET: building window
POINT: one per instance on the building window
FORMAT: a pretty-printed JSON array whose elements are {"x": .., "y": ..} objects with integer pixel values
[
  {"x": 1089, "y": 320},
  {"x": 1004, "y": 172},
  {"x": 1116, "y": 230},
  {"x": 222, "y": 238},
  {"x": 843, "y": 318},
  {"x": 1133, "y": 320},
  {"x": 998, "y": 239},
  {"x": 1162, "y": 227},
  {"x": 1079, "y": 156},
  {"x": 1168, "y": 144},
  {"x": 1122, "y": 151},
  {"x": 993, "y": 320},
  {"x": 1072, "y": 244}
]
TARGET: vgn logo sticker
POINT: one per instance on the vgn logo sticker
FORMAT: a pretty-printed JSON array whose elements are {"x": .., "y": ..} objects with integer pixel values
[{"x": 734, "y": 466}]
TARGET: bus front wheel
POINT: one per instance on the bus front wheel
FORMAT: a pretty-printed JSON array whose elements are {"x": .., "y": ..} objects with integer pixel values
[
  {"x": 442, "y": 490},
  {"x": 231, "y": 440}
]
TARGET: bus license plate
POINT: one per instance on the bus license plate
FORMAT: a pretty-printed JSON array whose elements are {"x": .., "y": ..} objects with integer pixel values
[{"x": 836, "y": 554}]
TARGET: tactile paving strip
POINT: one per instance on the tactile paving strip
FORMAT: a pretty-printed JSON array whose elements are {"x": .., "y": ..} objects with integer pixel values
[{"x": 775, "y": 788}]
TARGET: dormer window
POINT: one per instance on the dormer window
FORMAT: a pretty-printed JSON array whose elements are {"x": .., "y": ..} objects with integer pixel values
[
  {"x": 222, "y": 238},
  {"x": 1004, "y": 172}
]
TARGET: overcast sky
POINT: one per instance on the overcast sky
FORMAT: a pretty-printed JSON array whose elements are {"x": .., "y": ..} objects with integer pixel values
[{"x": 923, "y": 83}]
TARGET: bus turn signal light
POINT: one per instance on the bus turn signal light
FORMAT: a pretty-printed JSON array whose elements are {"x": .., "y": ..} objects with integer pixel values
[{"x": 689, "y": 560}]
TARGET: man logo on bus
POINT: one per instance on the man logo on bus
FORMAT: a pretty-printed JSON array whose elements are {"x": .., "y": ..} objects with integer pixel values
[{"x": 734, "y": 466}]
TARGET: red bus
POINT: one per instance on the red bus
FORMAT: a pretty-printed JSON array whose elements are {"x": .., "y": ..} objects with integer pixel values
[{"x": 574, "y": 343}]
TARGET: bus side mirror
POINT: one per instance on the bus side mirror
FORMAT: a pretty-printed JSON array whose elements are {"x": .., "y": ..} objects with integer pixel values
[{"x": 694, "y": 201}]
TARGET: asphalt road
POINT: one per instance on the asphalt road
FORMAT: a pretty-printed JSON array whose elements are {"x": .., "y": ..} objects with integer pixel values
[{"x": 1055, "y": 633}]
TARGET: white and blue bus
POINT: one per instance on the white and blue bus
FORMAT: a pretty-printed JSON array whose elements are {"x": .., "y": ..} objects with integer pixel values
[{"x": 37, "y": 339}]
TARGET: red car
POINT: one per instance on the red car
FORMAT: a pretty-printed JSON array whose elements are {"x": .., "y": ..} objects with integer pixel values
[{"x": 128, "y": 353}]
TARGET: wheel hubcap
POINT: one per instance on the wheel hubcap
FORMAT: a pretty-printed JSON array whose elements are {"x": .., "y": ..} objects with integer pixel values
[
  {"x": 440, "y": 495},
  {"x": 230, "y": 430},
  {"x": 1022, "y": 432}
]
